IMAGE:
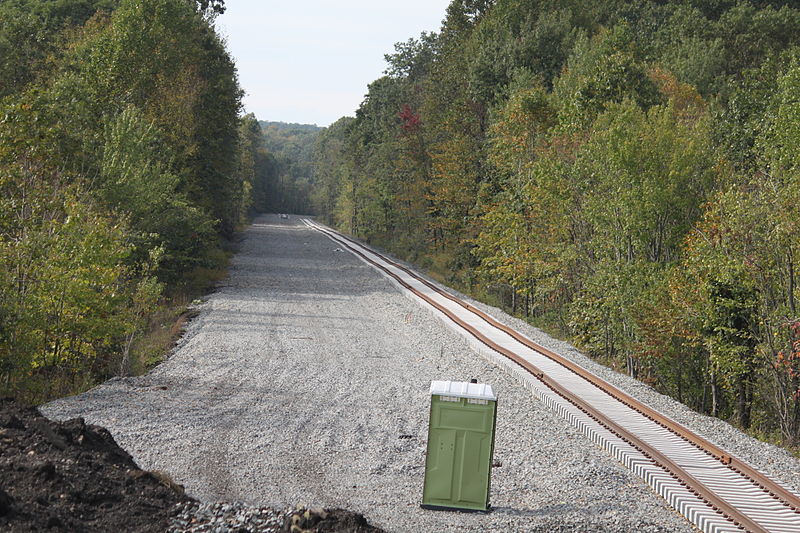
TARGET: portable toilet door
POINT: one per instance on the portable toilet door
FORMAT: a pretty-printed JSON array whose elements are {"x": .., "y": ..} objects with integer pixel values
[{"x": 460, "y": 446}]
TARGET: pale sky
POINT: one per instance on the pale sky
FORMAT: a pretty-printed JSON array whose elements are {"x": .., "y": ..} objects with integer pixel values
[{"x": 309, "y": 61}]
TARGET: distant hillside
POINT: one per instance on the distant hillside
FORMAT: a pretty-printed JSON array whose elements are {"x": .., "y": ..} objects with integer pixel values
[
  {"x": 293, "y": 141},
  {"x": 292, "y": 145},
  {"x": 289, "y": 126}
]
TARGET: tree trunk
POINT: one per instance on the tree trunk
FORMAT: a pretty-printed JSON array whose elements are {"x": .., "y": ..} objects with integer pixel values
[
  {"x": 124, "y": 364},
  {"x": 714, "y": 395},
  {"x": 795, "y": 429},
  {"x": 704, "y": 400},
  {"x": 791, "y": 286},
  {"x": 632, "y": 370},
  {"x": 743, "y": 401}
]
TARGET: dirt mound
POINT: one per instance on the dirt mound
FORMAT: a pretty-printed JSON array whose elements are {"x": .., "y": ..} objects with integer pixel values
[
  {"x": 70, "y": 476},
  {"x": 327, "y": 521}
]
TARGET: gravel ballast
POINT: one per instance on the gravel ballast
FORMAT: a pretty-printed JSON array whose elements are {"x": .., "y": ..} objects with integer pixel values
[{"x": 304, "y": 381}]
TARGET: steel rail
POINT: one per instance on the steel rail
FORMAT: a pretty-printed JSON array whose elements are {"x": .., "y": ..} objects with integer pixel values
[{"x": 659, "y": 459}]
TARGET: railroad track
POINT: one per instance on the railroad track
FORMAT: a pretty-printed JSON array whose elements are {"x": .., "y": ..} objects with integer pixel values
[{"x": 712, "y": 489}]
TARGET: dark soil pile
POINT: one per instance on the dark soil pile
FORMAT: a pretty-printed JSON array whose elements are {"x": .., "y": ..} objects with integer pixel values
[
  {"x": 327, "y": 521},
  {"x": 70, "y": 476}
]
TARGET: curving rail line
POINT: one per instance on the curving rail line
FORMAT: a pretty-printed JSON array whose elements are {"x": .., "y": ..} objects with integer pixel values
[{"x": 715, "y": 491}]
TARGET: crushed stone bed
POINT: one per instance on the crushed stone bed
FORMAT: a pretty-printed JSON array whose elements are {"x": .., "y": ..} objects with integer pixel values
[
  {"x": 238, "y": 517},
  {"x": 304, "y": 381}
]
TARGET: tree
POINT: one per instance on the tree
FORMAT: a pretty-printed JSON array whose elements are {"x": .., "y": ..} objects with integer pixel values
[
  {"x": 602, "y": 70},
  {"x": 624, "y": 171},
  {"x": 331, "y": 168},
  {"x": 119, "y": 145},
  {"x": 69, "y": 294},
  {"x": 216, "y": 7},
  {"x": 137, "y": 184},
  {"x": 640, "y": 181}
]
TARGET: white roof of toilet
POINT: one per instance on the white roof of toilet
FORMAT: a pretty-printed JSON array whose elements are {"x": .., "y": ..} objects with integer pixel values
[{"x": 462, "y": 389}]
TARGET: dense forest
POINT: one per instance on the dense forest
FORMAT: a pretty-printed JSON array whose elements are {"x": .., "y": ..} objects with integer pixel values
[
  {"x": 292, "y": 148},
  {"x": 125, "y": 166},
  {"x": 624, "y": 173}
]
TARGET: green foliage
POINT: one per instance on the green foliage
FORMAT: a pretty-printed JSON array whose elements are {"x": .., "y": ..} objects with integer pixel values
[
  {"x": 727, "y": 326},
  {"x": 331, "y": 174},
  {"x": 32, "y": 33},
  {"x": 122, "y": 160},
  {"x": 212, "y": 6},
  {"x": 515, "y": 37},
  {"x": 134, "y": 167},
  {"x": 290, "y": 175},
  {"x": 752, "y": 33},
  {"x": 688, "y": 44},
  {"x": 69, "y": 296},
  {"x": 516, "y": 128},
  {"x": 779, "y": 138},
  {"x": 601, "y": 71},
  {"x": 648, "y": 174},
  {"x": 626, "y": 171},
  {"x": 136, "y": 183},
  {"x": 186, "y": 84},
  {"x": 412, "y": 58}
]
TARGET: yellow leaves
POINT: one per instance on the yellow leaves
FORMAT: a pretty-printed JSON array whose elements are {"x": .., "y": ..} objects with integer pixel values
[{"x": 684, "y": 99}]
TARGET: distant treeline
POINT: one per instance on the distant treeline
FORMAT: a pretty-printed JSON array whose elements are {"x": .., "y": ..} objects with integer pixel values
[
  {"x": 292, "y": 148},
  {"x": 123, "y": 163},
  {"x": 623, "y": 172}
]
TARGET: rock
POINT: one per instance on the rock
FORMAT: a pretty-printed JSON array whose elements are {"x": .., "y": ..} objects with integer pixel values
[{"x": 6, "y": 503}]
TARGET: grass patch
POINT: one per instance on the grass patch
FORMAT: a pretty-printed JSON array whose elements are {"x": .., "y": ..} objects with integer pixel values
[
  {"x": 46, "y": 383},
  {"x": 168, "y": 323},
  {"x": 164, "y": 329}
]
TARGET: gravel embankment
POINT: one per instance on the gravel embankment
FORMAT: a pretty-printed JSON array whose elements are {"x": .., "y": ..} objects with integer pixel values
[{"x": 304, "y": 381}]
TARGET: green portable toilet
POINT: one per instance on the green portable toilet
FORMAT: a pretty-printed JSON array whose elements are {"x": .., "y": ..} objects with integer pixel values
[{"x": 460, "y": 446}]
